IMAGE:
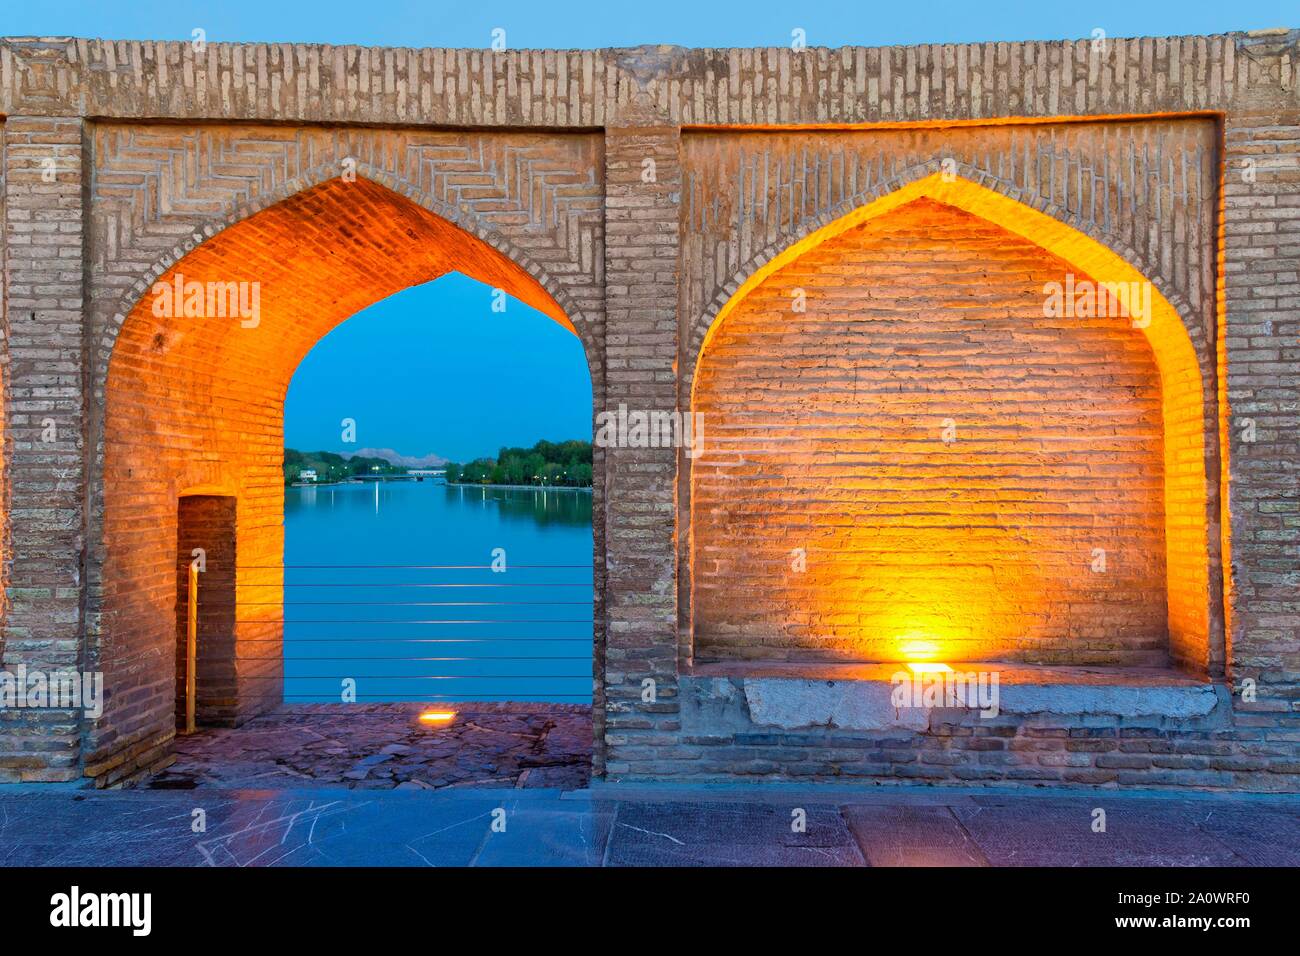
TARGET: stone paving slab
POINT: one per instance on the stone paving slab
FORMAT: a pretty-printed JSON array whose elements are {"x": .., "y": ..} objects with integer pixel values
[
  {"x": 550, "y": 836},
  {"x": 454, "y": 827},
  {"x": 351, "y": 833},
  {"x": 912, "y": 836},
  {"x": 1260, "y": 836},
  {"x": 728, "y": 834},
  {"x": 1062, "y": 834},
  {"x": 386, "y": 746}
]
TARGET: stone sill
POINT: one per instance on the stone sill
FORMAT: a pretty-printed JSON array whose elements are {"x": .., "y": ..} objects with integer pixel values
[{"x": 751, "y": 695}]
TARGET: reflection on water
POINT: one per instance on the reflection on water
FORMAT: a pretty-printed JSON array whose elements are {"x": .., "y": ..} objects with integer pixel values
[
  {"x": 542, "y": 506},
  {"x": 538, "y": 506},
  {"x": 389, "y": 584}
]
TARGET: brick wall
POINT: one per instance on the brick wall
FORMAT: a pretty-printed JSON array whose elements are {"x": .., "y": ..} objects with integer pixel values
[
  {"x": 44, "y": 406},
  {"x": 640, "y": 712},
  {"x": 564, "y": 89},
  {"x": 1212, "y": 752},
  {"x": 951, "y": 464},
  {"x": 1261, "y": 354}
]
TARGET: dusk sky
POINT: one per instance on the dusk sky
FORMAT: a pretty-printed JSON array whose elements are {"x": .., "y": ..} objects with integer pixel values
[
  {"x": 433, "y": 369},
  {"x": 591, "y": 23}
]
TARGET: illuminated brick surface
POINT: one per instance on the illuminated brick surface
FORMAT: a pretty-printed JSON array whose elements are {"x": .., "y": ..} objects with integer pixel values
[{"x": 826, "y": 432}]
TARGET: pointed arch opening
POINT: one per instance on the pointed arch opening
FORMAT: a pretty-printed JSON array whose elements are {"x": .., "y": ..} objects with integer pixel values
[
  {"x": 194, "y": 405},
  {"x": 925, "y": 441}
]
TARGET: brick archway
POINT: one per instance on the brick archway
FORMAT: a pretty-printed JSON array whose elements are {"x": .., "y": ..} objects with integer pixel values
[
  {"x": 912, "y": 182},
  {"x": 561, "y": 306},
  {"x": 1183, "y": 397},
  {"x": 193, "y": 405}
]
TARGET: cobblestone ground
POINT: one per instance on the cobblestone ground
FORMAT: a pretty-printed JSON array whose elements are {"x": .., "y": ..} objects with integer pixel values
[{"x": 386, "y": 747}]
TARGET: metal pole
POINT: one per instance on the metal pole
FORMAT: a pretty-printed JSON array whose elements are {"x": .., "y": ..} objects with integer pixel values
[{"x": 191, "y": 647}]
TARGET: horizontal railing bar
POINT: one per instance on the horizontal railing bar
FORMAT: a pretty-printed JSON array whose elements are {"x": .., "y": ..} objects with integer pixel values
[
  {"x": 385, "y": 698},
  {"x": 461, "y": 621},
  {"x": 402, "y": 584},
  {"x": 286, "y": 678},
  {"x": 408, "y": 567},
  {"x": 564, "y": 657},
  {"x": 394, "y": 604},
  {"x": 403, "y": 640}
]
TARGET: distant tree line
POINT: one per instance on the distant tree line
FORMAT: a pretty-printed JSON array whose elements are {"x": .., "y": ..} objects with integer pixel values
[
  {"x": 546, "y": 463},
  {"x": 334, "y": 467}
]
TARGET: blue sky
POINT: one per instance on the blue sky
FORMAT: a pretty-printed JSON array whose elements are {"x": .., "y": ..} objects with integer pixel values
[
  {"x": 432, "y": 369},
  {"x": 633, "y": 22}
]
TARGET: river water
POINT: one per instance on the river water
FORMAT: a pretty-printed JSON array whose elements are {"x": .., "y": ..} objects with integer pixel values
[{"x": 390, "y": 585}]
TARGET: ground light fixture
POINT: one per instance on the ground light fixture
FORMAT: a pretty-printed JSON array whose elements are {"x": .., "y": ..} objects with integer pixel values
[{"x": 929, "y": 667}]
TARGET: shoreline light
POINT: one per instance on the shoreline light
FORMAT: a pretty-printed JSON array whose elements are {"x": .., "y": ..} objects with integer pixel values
[{"x": 437, "y": 716}]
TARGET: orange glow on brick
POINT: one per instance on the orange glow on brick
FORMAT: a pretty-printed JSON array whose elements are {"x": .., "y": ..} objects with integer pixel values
[
  {"x": 919, "y": 650},
  {"x": 981, "y": 568}
]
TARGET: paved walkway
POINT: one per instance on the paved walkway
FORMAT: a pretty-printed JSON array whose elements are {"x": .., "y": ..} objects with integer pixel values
[
  {"x": 648, "y": 826},
  {"x": 386, "y": 747}
]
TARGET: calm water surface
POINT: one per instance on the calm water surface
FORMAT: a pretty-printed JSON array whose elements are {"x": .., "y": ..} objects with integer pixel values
[{"x": 390, "y": 584}]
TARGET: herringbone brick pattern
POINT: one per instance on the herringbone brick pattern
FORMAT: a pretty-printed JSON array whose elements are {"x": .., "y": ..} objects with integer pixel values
[
  {"x": 1148, "y": 190},
  {"x": 158, "y": 188}
]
